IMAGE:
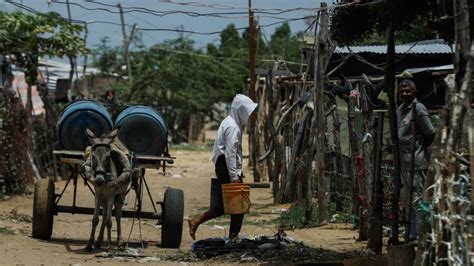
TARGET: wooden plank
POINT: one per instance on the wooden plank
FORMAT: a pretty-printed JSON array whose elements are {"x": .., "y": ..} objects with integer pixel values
[
  {"x": 71, "y": 161},
  {"x": 143, "y": 161},
  {"x": 68, "y": 152}
]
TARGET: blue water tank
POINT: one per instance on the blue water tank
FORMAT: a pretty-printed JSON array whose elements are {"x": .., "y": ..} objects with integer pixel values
[
  {"x": 143, "y": 130},
  {"x": 76, "y": 118}
]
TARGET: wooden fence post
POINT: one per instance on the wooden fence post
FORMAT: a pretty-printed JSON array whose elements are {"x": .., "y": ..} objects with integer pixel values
[
  {"x": 375, "y": 236},
  {"x": 318, "y": 130}
]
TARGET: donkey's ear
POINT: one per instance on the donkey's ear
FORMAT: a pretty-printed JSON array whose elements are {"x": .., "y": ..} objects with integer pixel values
[
  {"x": 90, "y": 134},
  {"x": 113, "y": 134}
]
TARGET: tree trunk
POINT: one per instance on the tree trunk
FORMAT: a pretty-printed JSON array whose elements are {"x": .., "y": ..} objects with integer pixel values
[
  {"x": 321, "y": 58},
  {"x": 196, "y": 132},
  {"x": 339, "y": 173},
  {"x": 261, "y": 130},
  {"x": 289, "y": 193},
  {"x": 452, "y": 238},
  {"x": 357, "y": 188},
  {"x": 273, "y": 164},
  {"x": 392, "y": 115},
  {"x": 375, "y": 235},
  {"x": 367, "y": 159}
]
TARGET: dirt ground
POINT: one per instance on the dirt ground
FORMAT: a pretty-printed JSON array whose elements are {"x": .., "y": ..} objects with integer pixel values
[{"x": 191, "y": 172}]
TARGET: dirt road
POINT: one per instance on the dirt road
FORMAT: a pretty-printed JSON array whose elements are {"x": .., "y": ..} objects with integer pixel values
[{"x": 191, "y": 173}]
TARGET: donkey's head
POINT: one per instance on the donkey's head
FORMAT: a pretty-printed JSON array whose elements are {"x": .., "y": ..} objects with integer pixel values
[{"x": 100, "y": 155}]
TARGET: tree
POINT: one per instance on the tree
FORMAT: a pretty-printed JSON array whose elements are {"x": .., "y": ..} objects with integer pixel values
[
  {"x": 104, "y": 57},
  {"x": 280, "y": 39},
  {"x": 29, "y": 37},
  {"x": 417, "y": 20},
  {"x": 180, "y": 81},
  {"x": 230, "y": 41}
]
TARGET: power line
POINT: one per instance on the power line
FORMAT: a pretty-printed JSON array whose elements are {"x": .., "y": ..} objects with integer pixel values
[
  {"x": 256, "y": 11},
  {"x": 218, "y": 32},
  {"x": 159, "y": 29},
  {"x": 226, "y": 15},
  {"x": 36, "y": 12},
  {"x": 221, "y": 57}
]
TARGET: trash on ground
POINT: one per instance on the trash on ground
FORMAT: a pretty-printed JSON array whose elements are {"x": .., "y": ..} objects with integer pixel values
[
  {"x": 279, "y": 210},
  {"x": 278, "y": 248},
  {"x": 218, "y": 227},
  {"x": 128, "y": 254}
]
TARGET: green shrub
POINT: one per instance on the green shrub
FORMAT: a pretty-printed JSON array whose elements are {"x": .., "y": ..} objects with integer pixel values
[{"x": 294, "y": 218}]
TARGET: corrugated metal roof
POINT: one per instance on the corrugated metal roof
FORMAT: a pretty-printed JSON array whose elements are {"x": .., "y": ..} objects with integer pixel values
[
  {"x": 411, "y": 48},
  {"x": 435, "y": 46},
  {"x": 431, "y": 69}
]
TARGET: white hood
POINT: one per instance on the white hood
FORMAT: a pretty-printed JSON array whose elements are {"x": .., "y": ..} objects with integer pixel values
[
  {"x": 229, "y": 135},
  {"x": 241, "y": 109}
]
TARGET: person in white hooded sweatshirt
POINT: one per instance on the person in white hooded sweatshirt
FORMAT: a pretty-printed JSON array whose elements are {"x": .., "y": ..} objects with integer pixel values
[{"x": 227, "y": 157}]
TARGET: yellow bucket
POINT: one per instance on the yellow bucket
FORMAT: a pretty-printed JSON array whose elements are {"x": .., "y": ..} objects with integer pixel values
[{"x": 236, "y": 198}]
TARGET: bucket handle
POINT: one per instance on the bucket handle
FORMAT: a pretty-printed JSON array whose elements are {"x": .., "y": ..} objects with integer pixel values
[{"x": 246, "y": 197}]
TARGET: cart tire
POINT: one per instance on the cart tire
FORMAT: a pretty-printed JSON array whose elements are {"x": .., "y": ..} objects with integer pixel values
[
  {"x": 172, "y": 218},
  {"x": 43, "y": 209}
]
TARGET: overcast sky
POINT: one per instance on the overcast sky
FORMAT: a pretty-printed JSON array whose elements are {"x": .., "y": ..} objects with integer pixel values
[{"x": 236, "y": 9}]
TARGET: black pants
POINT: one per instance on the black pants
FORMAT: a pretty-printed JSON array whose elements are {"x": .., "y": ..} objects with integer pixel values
[{"x": 217, "y": 210}]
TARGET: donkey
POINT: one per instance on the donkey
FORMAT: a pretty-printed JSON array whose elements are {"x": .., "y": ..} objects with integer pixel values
[{"x": 108, "y": 169}]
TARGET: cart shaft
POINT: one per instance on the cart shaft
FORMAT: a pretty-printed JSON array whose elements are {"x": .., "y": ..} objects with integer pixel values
[{"x": 125, "y": 213}]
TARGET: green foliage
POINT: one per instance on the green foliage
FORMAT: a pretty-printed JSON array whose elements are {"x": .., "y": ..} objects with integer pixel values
[
  {"x": 179, "y": 80},
  {"x": 7, "y": 231},
  {"x": 14, "y": 168},
  {"x": 230, "y": 41},
  {"x": 191, "y": 147},
  {"x": 352, "y": 24},
  {"x": 105, "y": 57},
  {"x": 47, "y": 34},
  {"x": 344, "y": 216},
  {"x": 364, "y": 23},
  {"x": 29, "y": 37},
  {"x": 280, "y": 40},
  {"x": 294, "y": 217}
]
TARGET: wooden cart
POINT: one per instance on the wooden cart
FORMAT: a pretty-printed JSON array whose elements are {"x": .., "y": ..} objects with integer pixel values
[{"x": 47, "y": 202}]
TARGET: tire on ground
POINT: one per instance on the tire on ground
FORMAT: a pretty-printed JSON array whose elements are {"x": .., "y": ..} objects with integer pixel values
[
  {"x": 43, "y": 209},
  {"x": 172, "y": 218}
]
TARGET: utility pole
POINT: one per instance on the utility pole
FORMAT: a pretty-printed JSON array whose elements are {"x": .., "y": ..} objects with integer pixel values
[
  {"x": 252, "y": 140},
  {"x": 125, "y": 45},
  {"x": 72, "y": 58},
  {"x": 86, "y": 33},
  {"x": 251, "y": 53}
]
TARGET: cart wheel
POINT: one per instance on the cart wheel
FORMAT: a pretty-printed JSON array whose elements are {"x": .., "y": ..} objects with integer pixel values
[
  {"x": 43, "y": 209},
  {"x": 172, "y": 218}
]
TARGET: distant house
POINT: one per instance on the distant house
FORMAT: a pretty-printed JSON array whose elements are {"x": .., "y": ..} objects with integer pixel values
[
  {"x": 20, "y": 88},
  {"x": 371, "y": 59},
  {"x": 429, "y": 61},
  {"x": 56, "y": 76}
]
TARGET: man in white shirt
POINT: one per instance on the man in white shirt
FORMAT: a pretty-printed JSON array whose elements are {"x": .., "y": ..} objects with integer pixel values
[{"x": 227, "y": 157}]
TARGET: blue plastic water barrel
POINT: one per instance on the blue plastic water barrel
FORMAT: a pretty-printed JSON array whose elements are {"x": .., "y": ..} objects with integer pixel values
[
  {"x": 76, "y": 118},
  {"x": 142, "y": 130}
]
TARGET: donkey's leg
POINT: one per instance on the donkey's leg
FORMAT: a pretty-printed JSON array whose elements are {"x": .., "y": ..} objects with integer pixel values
[
  {"x": 105, "y": 210},
  {"x": 108, "y": 221},
  {"x": 95, "y": 221},
  {"x": 119, "y": 200}
]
